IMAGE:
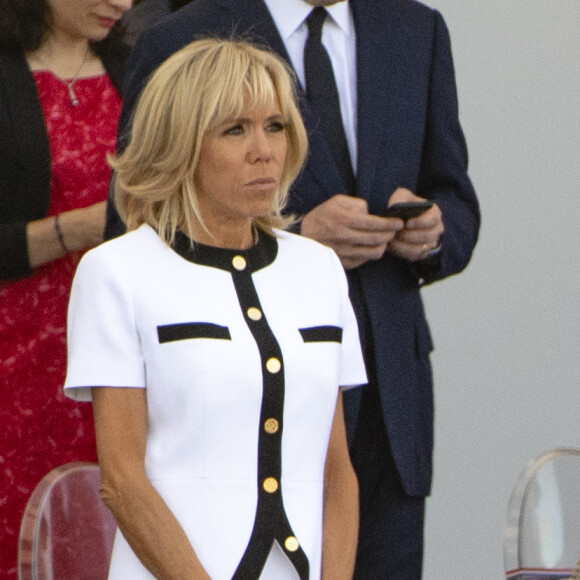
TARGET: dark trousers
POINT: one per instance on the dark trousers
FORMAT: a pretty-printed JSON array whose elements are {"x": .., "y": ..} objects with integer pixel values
[{"x": 391, "y": 523}]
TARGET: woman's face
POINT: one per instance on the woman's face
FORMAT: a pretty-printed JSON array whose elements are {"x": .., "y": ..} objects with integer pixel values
[
  {"x": 240, "y": 166},
  {"x": 90, "y": 19}
]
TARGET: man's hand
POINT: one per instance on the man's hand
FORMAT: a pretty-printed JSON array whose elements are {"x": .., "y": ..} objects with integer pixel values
[
  {"x": 420, "y": 235},
  {"x": 344, "y": 224}
]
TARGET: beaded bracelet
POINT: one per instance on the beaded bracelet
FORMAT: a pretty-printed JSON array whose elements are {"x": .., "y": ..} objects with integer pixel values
[{"x": 58, "y": 229}]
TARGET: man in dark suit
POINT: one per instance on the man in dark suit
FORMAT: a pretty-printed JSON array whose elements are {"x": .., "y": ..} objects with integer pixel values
[{"x": 397, "y": 98}]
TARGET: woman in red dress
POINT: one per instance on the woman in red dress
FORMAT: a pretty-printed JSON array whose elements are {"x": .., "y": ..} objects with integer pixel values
[{"x": 61, "y": 63}]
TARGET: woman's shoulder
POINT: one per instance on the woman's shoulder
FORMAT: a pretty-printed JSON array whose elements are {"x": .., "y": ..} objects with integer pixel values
[
  {"x": 298, "y": 243},
  {"x": 307, "y": 256},
  {"x": 142, "y": 238},
  {"x": 132, "y": 247},
  {"x": 296, "y": 240}
]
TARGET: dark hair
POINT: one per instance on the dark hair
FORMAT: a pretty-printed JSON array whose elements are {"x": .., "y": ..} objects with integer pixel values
[{"x": 25, "y": 25}]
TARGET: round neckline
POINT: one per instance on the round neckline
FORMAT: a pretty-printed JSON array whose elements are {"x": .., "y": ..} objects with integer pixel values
[
  {"x": 48, "y": 72},
  {"x": 260, "y": 255}
]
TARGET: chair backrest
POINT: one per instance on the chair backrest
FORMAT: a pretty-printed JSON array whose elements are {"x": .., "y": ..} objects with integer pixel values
[
  {"x": 66, "y": 532},
  {"x": 542, "y": 529}
]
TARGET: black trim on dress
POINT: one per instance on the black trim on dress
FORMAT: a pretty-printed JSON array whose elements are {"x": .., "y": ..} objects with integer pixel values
[
  {"x": 187, "y": 330},
  {"x": 271, "y": 523},
  {"x": 321, "y": 334}
]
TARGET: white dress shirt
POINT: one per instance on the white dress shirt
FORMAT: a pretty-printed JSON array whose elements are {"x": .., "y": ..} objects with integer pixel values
[{"x": 339, "y": 39}]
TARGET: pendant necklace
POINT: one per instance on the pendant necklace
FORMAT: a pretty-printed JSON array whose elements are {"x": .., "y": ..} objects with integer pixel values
[{"x": 70, "y": 84}]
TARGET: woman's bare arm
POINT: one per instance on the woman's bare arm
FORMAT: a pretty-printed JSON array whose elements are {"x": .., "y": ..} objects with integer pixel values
[
  {"x": 147, "y": 523},
  {"x": 341, "y": 505},
  {"x": 80, "y": 228}
]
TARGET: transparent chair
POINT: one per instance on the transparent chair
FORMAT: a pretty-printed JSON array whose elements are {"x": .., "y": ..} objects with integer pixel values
[
  {"x": 66, "y": 532},
  {"x": 542, "y": 528}
]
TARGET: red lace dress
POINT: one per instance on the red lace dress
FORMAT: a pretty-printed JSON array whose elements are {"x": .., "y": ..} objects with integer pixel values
[{"x": 40, "y": 427}]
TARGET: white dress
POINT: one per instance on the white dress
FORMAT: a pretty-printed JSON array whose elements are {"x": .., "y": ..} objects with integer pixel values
[{"x": 222, "y": 340}]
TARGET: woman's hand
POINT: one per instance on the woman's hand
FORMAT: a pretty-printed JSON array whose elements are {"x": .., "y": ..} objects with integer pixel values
[{"x": 84, "y": 228}]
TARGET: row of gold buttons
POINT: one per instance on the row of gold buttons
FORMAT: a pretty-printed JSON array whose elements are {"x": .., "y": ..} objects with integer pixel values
[
  {"x": 273, "y": 365},
  {"x": 271, "y": 426}
]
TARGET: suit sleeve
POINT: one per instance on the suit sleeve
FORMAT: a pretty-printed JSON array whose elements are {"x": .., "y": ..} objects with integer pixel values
[{"x": 443, "y": 176}]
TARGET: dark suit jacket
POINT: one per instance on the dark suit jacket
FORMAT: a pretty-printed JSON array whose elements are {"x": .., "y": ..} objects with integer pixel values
[
  {"x": 408, "y": 135},
  {"x": 25, "y": 157}
]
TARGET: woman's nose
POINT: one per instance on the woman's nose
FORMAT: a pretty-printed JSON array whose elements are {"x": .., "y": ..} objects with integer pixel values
[
  {"x": 261, "y": 147},
  {"x": 121, "y": 5}
]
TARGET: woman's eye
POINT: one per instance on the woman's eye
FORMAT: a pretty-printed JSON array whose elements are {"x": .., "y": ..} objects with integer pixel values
[
  {"x": 234, "y": 130},
  {"x": 276, "y": 127}
]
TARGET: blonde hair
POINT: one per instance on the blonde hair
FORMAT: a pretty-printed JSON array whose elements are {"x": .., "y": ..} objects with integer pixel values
[{"x": 196, "y": 89}]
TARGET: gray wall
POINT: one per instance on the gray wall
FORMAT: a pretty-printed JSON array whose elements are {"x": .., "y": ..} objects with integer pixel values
[{"x": 506, "y": 330}]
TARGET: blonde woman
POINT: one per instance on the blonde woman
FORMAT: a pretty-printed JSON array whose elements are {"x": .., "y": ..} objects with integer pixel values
[{"x": 213, "y": 344}]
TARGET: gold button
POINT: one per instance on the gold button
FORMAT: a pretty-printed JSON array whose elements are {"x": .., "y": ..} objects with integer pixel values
[
  {"x": 273, "y": 365},
  {"x": 291, "y": 544},
  {"x": 254, "y": 313},
  {"x": 270, "y": 484},
  {"x": 271, "y": 426},
  {"x": 239, "y": 263}
]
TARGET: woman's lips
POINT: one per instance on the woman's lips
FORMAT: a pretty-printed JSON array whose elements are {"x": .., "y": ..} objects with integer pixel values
[
  {"x": 107, "y": 22},
  {"x": 263, "y": 183}
]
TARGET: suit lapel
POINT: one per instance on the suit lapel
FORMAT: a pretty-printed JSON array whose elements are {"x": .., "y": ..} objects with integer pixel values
[
  {"x": 252, "y": 20},
  {"x": 393, "y": 63},
  {"x": 378, "y": 51}
]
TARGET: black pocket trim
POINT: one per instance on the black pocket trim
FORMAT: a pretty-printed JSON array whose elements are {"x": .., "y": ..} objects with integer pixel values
[
  {"x": 187, "y": 330},
  {"x": 321, "y": 334}
]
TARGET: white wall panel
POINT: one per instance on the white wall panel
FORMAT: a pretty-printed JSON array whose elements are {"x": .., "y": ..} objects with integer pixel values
[{"x": 507, "y": 330}]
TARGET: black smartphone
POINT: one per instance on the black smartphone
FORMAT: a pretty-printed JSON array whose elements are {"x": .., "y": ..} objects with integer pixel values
[{"x": 407, "y": 209}]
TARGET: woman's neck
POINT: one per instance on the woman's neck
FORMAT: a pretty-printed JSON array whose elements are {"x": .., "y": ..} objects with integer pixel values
[
  {"x": 66, "y": 57},
  {"x": 226, "y": 237}
]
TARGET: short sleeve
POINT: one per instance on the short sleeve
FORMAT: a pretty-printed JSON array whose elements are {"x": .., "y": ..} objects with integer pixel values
[
  {"x": 352, "y": 367},
  {"x": 104, "y": 348}
]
